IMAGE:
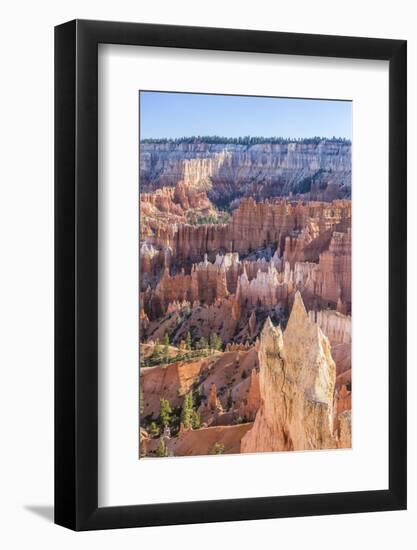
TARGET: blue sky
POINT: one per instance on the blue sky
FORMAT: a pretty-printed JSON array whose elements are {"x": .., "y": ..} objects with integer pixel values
[{"x": 172, "y": 115}]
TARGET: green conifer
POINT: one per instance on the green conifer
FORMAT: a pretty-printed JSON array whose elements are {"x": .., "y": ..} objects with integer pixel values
[
  {"x": 187, "y": 411},
  {"x": 164, "y": 412},
  {"x": 161, "y": 450},
  {"x": 188, "y": 341}
]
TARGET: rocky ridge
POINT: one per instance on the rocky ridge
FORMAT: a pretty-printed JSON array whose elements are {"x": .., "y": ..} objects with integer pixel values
[
  {"x": 297, "y": 385},
  {"x": 270, "y": 280},
  {"x": 229, "y": 171},
  {"x": 294, "y": 232},
  {"x": 280, "y": 394}
]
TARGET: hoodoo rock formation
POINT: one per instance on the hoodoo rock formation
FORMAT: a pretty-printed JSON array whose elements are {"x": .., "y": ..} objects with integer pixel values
[
  {"x": 251, "y": 284},
  {"x": 262, "y": 255},
  {"x": 299, "y": 231},
  {"x": 296, "y": 388},
  {"x": 245, "y": 297}
]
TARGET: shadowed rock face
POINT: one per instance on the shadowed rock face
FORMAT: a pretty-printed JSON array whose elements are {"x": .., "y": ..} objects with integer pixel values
[
  {"x": 297, "y": 380},
  {"x": 229, "y": 171}
]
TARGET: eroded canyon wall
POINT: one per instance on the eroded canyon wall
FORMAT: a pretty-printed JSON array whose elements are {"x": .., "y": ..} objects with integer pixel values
[
  {"x": 299, "y": 231},
  {"x": 227, "y": 171},
  {"x": 224, "y": 295}
]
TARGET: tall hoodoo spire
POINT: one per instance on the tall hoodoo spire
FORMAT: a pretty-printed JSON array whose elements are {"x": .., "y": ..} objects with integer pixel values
[{"x": 297, "y": 379}]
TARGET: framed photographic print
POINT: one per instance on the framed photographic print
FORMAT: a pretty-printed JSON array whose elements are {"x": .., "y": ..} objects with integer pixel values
[{"x": 230, "y": 275}]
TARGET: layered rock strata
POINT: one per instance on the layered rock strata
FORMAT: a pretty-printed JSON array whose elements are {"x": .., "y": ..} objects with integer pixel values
[
  {"x": 270, "y": 389},
  {"x": 261, "y": 170},
  {"x": 259, "y": 283},
  {"x": 300, "y": 232}
]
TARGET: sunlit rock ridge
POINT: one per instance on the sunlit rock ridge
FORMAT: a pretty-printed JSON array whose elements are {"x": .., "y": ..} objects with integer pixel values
[{"x": 319, "y": 171}]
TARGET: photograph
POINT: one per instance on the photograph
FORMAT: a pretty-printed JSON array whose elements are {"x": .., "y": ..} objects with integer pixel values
[
  {"x": 209, "y": 267},
  {"x": 245, "y": 274}
]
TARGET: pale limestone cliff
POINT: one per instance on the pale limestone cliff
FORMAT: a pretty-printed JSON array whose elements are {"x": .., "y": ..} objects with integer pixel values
[
  {"x": 336, "y": 326},
  {"x": 261, "y": 170}
]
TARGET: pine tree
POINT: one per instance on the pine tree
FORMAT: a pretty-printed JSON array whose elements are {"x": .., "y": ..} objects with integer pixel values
[
  {"x": 189, "y": 341},
  {"x": 166, "y": 347},
  {"x": 196, "y": 420},
  {"x": 215, "y": 342},
  {"x": 246, "y": 140},
  {"x": 187, "y": 411},
  {"x": 198, "y": 396},
  {"x": 154, "y": 430},
  {"x": 164, "y": 412},
  {"x": 161, "y": 450},
  {"x": 203, "y": 344}
]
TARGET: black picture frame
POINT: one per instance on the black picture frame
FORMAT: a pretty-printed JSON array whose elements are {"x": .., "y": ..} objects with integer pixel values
[{"x": 76, "y": 272}]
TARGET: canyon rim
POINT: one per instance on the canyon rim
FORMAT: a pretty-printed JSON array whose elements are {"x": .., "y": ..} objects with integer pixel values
[{"x": 245, "y": 274}]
